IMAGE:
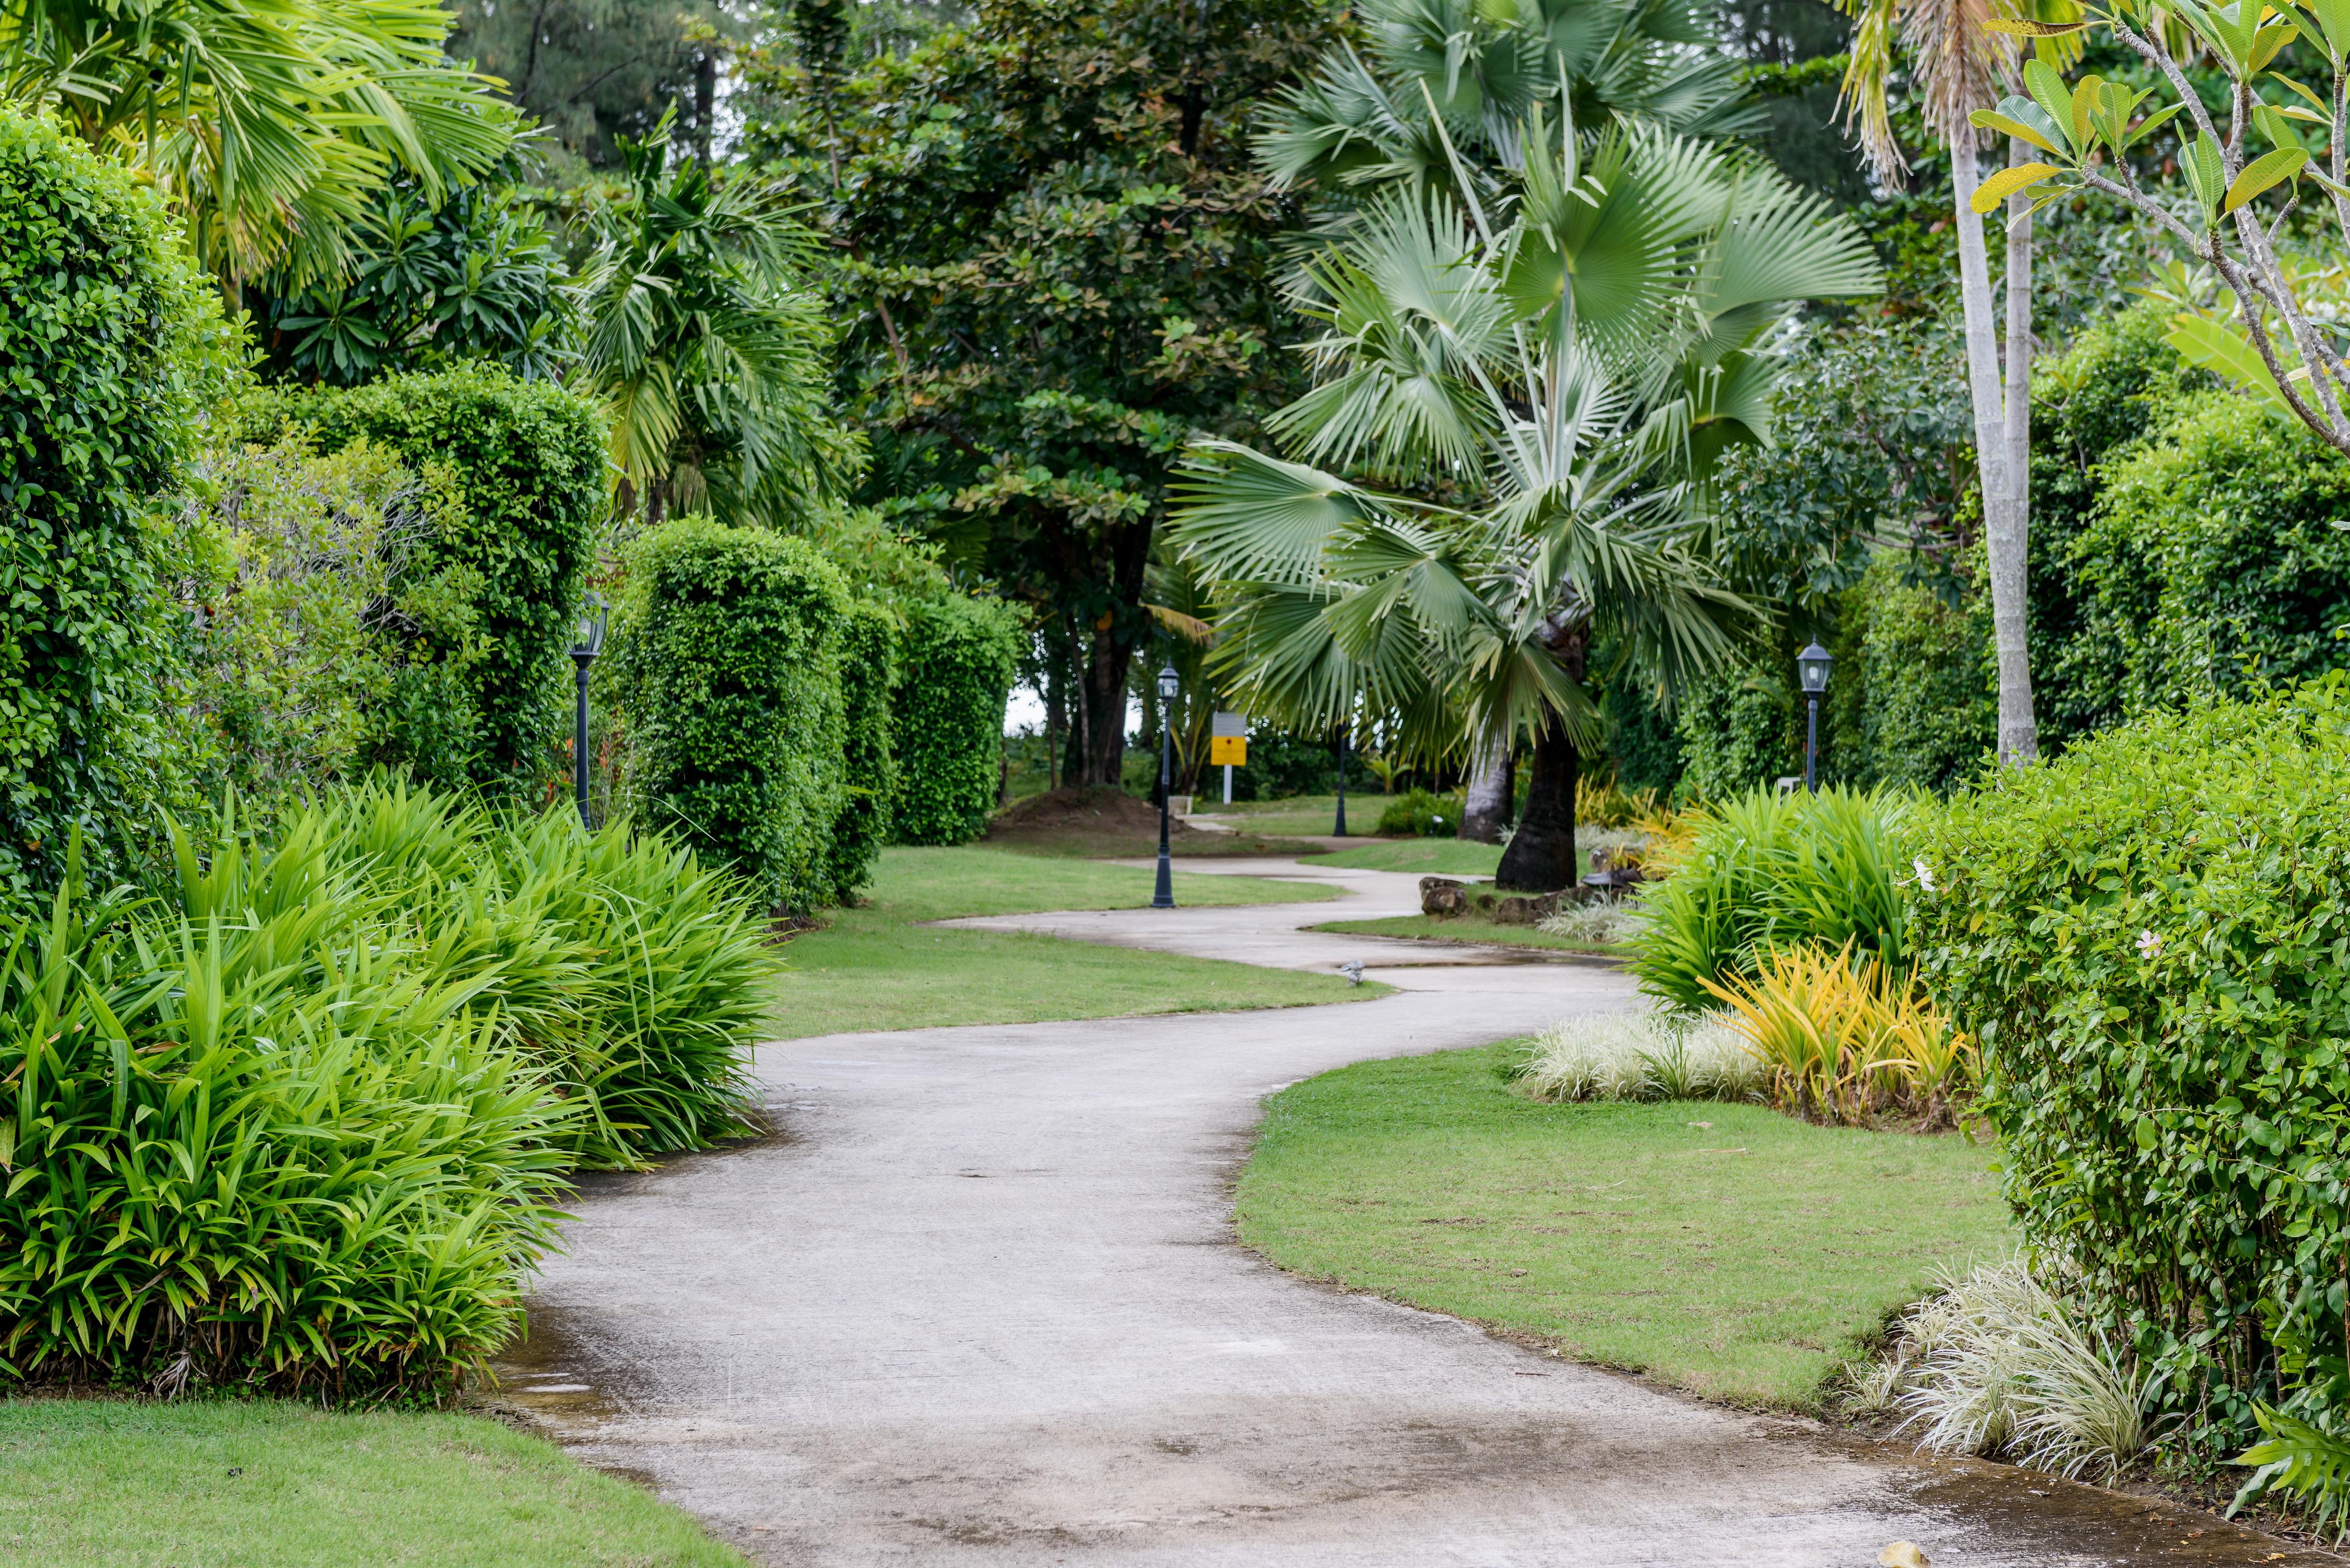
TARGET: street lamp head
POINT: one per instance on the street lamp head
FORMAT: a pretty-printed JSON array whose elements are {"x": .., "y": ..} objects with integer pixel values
[
  {"x": 1812, "y": 664},
  {"x": 1170, "y": 683},
  {"x": 587, "y": 636}
]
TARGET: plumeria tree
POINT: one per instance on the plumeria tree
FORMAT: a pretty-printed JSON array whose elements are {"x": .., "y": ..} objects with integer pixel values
[{"x": 2247, "y": 172}]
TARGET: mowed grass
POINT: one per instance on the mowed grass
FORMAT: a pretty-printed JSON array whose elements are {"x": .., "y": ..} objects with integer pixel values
[
  {"x": 877, "y": 967},
  {"x": 1727, "y": 1249},
  {"x": 268, "y": 1484},
  {"x": 1461, "y": 928},
  {"x": 1421, "y": 856}
]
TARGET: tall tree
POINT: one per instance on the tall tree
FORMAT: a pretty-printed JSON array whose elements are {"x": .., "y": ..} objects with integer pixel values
[
  {"x": 267, "y": 127},
  {"x": 1059, "y": 263},
  {"x": 1564, "y": 377},
  {"x": 1956, "y": 65},
  {"x": 594, "y": 70},
  {"x": 708, "y": 345}
]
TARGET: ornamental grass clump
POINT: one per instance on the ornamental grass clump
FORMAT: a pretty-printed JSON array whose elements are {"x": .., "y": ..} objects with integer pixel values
[
  {"x": 2148, "y": 937},
  {"x": 1769, "y": 870},
  {"x": 633, "y": 976},
  {"x": 1643, "y": 1055},
  {"x": 259, "y": 1152},
  {"x": 1843, "y": 1038}
]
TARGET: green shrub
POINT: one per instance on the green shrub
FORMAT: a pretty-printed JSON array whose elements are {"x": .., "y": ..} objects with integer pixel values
[
  {"x": 1768, "y": 870},
  {"x": 1915, "y": 674},
  {"x": 957, "y": 663},
  {"x": 1423, "y": 814},
  {"x": 527, "y": 469},
  {"x": 869, "y": 671},
  {"x": 111, "y": 346},
  {"x": 729, "y": 649},
  {"x": 2147, "y": 938},
  {"x": 292, "y": 670},
  {"x": 244, "y": 1152}
]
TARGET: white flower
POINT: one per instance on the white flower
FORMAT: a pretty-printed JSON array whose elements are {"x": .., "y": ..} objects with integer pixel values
[
  {"x": 1925, "y": 873},
  {"x": 2148, "y": 944}
]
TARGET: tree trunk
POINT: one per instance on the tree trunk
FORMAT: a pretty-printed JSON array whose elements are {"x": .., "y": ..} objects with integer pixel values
[
  {"x": 1541, "y": 855},
  {"x": 2004, "y": 534},
  {"x": 1486, "y": 810},
  {"x": 705, "y": 101},
  {"x": 1101, "y": 700},
  {"x": 2018, "y": 727}
]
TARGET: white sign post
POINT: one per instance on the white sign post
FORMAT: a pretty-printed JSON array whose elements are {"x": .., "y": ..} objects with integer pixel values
[{"x": 1228, "y": 727}]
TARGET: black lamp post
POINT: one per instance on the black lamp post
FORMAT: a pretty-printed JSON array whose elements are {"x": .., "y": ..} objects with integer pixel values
[
  {"x": 587, "y": 642},
  {"x": 1812, "y": 665},
  {"x": 1339, "y": 829},
  {"x": 1163, "y": 897}
]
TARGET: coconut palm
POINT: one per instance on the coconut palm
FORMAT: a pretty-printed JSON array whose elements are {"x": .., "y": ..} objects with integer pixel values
[
  {"x": 705, "y": 345},
  {"x": 265, "y": 124},
  {"x": 1958, "y": 65},
  {"x": 1545, "y": 399}
]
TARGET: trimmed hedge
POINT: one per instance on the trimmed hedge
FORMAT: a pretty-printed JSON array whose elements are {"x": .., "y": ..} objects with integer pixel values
[
  {"x": 528, "y": 468},
  {"x": 2149, "y": 938},
  {"x": 960, "y": 657},
  {"x": 110, "y": 345},
  {"x": 869, "y": 671},
  {"x": 730, "y": 651}
]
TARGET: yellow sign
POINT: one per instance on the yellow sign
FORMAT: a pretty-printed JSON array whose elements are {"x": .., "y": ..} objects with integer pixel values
[{"x": 1228, "y": 751}]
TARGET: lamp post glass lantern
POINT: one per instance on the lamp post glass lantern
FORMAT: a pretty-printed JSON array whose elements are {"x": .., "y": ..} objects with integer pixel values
[
  {"x": 1163, "y": 897},
  {"x": 587, "y": 642},
  {"x": 1812, "y": 667}
]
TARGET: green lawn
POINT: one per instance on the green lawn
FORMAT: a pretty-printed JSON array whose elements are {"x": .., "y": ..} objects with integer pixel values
[
  {"x": 874, "y": 967},
  {"x": 1425, "y": 857},
  {"x": 1461, "y": 928},
  {"x": 227, "y": 1484},
  {"x": 1294, "y": 814},
  {"x": 1727, "y": 1249}
]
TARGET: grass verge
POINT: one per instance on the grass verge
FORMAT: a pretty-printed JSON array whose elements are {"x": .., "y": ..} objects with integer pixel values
[
  {"x": 270, "y": 1484},
  {"x": 877, "y": 967},
  {"x": 1462, "y": 929},
  {"x": 1421, "y": 856},
  {"x": 1727, "y": 1249}
]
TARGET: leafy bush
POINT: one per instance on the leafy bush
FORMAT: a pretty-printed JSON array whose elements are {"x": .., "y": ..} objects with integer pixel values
[
  {"x": 1638, "y": 1056},
  {"x": 111, "y": 346},
  {"x": 241, "y": 1153},
  {"x": 1916, "y": 679},
  {"x": 948, "y": 712},
  {"x": 730, "y": 649},
  {"x": 526, "y": 471},
  {"x": 2145, "y": 937},
  {"x": 1768, "y": 870},
  {"x": 869, "y": 671},
  {"x": 299, "y": 656},
  {"x": 1842, "y": 1040},
  {"x": 1417, "y": 814}
]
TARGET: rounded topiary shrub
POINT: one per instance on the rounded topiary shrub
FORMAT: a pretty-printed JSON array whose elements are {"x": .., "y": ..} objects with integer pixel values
[
  {"x": 110, "y": 345},
  {"x": 958, "y": 662},
  {"x": 729, "y": 656}
]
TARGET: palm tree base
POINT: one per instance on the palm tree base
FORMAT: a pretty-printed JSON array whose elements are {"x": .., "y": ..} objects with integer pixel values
[{"x": 1541, "y": 855}]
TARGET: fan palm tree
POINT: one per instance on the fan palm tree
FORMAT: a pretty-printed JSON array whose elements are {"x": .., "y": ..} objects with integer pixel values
[
  {"x": 265, "y": 124},
  {"x": 1958, "y": 67},
  {"x": 705, "y": 346},
  {"x": 1545, "y": 399}
]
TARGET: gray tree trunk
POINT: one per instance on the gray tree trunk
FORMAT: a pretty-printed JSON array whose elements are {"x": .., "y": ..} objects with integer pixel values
[
  {"x": 2019, "y": 730},
  {"x": 2004, "y": 518},
  {"x": 1486, "y": 810}
]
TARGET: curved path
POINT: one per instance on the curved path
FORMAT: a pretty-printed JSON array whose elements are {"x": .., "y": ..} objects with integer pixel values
[{"x": 979, "y": 1305}]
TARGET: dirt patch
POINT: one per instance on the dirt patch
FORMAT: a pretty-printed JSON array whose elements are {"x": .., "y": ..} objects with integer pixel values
[{"x": 1102, "y": 824}]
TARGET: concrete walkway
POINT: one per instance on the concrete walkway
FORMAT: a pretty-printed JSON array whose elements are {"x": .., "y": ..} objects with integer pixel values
[{"x": 979, "y": 1305}]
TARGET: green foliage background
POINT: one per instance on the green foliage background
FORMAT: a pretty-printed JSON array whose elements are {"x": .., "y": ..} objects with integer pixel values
[{"x": 869, "y": 639}]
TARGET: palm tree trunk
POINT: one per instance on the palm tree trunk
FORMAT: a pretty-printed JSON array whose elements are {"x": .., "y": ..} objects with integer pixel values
[
  {"x": 1541, "y": 855},
  {"x": 2003, "y": 529},
  {"x": 2020, "y": 741},
  {"x": 1486, "y": 810}
]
